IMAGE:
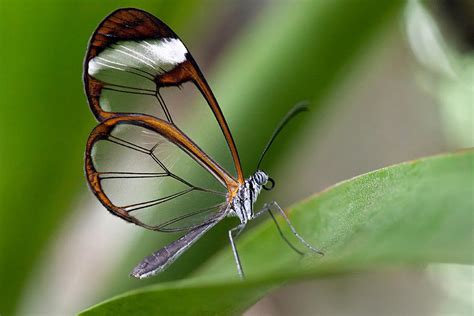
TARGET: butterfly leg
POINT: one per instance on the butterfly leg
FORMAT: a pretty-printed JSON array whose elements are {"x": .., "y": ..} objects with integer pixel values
[
  {"x": 274, "y": 205},
  {"x": 267, "y": 209},
  {"x": 233, "y": 233}
]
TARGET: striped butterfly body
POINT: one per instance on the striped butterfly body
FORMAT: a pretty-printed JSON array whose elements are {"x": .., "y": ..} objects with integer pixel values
[{"x": 131, "y": 59}]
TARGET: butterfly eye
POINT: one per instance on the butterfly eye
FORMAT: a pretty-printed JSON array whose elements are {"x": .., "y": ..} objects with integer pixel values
[{"x": 269, "y": 188}]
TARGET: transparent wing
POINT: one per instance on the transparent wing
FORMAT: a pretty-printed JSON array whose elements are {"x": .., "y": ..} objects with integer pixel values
[
  {"x": 132, "y": 63},
  {"x": 148, "y": 172}
]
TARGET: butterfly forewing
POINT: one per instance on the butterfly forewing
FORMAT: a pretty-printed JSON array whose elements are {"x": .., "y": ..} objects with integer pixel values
[{"x": 136, "y": 64}]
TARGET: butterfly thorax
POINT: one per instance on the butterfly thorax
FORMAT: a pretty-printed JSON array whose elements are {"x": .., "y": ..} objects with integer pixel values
[{"x": 241, "y": 205}]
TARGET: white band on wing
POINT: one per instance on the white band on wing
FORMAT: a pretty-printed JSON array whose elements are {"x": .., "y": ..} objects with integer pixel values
[{"x": 155, "y": 56}]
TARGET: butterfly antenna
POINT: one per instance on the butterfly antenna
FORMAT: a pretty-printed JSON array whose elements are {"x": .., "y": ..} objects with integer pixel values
[{"x": 299, "y": 107}]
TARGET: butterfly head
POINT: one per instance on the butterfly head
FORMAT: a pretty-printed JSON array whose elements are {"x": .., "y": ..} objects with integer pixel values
[{"x": 261, "y": 178}]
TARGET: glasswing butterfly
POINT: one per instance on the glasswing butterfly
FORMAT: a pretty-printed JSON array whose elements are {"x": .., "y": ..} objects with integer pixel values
[{"x": 131, "y": 58}]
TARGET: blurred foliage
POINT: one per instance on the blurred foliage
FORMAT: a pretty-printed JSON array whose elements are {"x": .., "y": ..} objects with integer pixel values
[
  {"x": 290, "y": 52},
  {"x": 446, "y": 68},
  {"x": 412, "y": 213},
  {"x": 456, "y": 98},
  {"x": 43, "y": 131}
]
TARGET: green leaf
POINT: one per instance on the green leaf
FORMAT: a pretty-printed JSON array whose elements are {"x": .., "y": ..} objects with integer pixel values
[{"x": 417, "y": 212}]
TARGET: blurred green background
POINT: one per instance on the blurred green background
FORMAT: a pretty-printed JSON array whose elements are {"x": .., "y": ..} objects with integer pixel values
[{"x": 388, "y": 81}]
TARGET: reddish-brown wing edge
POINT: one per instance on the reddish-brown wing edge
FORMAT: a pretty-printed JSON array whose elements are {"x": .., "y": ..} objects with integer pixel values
[
  {"x": 135, "y": 24},
  {"x": 165, "y": 129}
]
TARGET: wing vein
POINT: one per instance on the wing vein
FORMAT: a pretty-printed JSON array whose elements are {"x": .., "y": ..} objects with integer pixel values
[
  {"x": 185, "y": 216},
  {"x": 131, "y": 175},
  {"x": 137, "y": 206}
]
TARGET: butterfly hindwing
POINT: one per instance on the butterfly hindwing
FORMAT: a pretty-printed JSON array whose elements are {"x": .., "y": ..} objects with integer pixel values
[{"x": 146, "y": 171}]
